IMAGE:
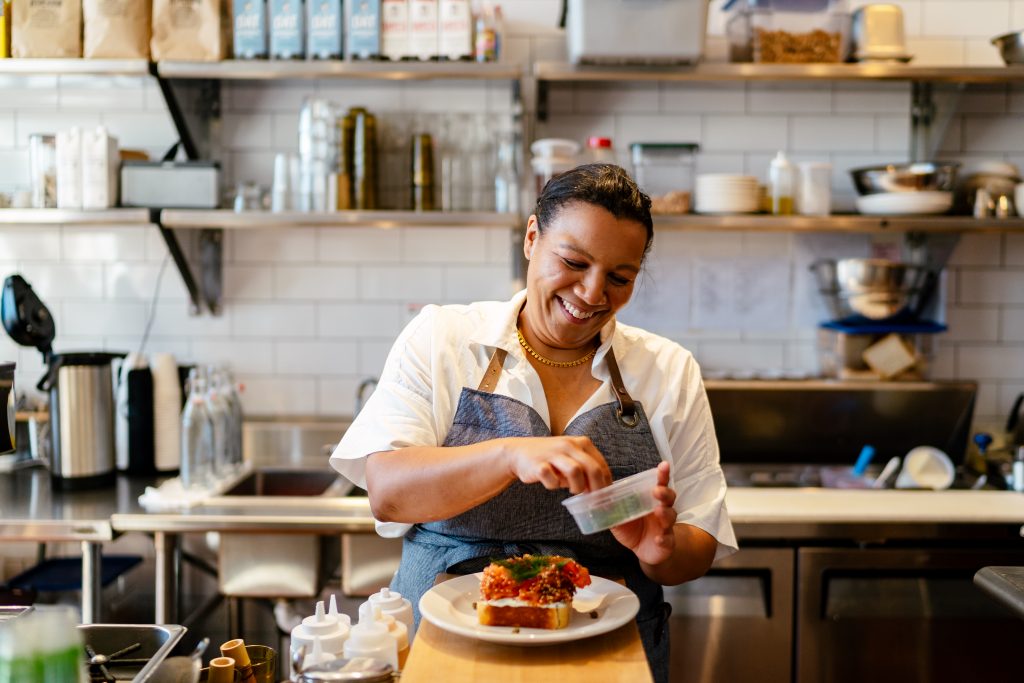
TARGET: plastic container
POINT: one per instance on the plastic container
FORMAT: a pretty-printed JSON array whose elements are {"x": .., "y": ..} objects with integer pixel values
[
  {"x": 781, "y": 184},
  {"x": 841, "y": 350},
  {"x": 625, "y": 500},
  {"x": 552, "y": 156},
  {"x": 600, "y": 151},
  {"x": 788, "y": 31},
  {"x": 665, "y": 171}
]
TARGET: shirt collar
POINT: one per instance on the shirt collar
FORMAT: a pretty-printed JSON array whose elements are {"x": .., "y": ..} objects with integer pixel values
[{"x": 500, "y": 330}]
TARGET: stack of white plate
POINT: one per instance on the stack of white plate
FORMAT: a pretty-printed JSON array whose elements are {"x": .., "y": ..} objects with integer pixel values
[{"x": 726, "y": 193}]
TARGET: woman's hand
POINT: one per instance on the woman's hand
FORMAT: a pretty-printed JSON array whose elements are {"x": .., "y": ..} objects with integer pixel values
[
  {"x": 558, "y": 462},
  {"x": 651, "y": 537}
]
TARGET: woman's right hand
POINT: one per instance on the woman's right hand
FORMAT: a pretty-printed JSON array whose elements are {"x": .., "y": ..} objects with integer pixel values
[{"x": 557, "y": 462}]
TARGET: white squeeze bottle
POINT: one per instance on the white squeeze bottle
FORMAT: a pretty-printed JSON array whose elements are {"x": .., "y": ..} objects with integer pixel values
[
  {"x": 398, "y": 630},
  {"x": 393, "y": 604},
  {"x": 370, "y": 638},
  {"x": 328, "y": 632},
  {"x": 781, "y": 185}
]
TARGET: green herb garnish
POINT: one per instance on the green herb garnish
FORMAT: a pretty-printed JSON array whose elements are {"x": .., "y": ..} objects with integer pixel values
[{"x": 529, "y": 566}]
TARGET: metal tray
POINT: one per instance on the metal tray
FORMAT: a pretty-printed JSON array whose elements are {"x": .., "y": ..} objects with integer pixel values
[{"x": 156, "y": 644}]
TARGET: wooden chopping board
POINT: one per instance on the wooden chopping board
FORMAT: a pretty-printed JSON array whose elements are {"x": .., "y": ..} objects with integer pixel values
[{"x": 436, "y": 654}]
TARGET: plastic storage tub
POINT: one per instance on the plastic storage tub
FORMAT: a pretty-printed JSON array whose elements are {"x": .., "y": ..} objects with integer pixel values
[
  {"x": 665, "y": 171},
  {"x": 841, "y": 350},
  {"x": 625, "y": 500},
  {"x": 788, "y": 31}
]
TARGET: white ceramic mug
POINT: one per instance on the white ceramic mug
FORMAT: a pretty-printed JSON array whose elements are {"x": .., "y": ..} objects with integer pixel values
[{"x": 926, "y": 467}]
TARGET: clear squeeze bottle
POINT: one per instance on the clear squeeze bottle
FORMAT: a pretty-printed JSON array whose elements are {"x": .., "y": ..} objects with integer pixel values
[{"x": 781, "y": 182}]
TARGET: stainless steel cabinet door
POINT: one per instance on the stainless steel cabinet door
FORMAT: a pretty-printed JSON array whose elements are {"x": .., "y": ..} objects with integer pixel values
[
  {"x": 907, "y": 615},
  {"x": 736, "y": 623}
]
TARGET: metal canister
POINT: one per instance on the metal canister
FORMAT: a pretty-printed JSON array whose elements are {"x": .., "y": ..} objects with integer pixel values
[
  {"x": 346, "y": 140},
  {"x": 364, "y": 159},
  {"x": 422, "y": 179}
]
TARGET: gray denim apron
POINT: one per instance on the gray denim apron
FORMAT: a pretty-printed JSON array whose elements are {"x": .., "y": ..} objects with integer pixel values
[{"x": 527, "y": 518}]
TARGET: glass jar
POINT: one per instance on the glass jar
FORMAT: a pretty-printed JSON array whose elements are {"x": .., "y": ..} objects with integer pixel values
[
  {"x": 665, "y": 171},
  {"x": 42, "y": 158}
]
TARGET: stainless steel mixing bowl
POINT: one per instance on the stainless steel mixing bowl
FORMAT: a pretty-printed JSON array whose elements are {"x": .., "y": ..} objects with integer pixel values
[
  {"x": 917, "y": 177},
  {"x": 874, "y": 288},
  {"x": 1011, "y": 47}
]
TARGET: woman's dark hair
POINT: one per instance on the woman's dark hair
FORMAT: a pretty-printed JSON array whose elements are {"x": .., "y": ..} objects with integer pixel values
[{"x": 604, "y": 185}]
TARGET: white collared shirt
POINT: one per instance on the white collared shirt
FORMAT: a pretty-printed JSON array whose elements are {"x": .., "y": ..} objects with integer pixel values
[{"x": 446, "y": 348}]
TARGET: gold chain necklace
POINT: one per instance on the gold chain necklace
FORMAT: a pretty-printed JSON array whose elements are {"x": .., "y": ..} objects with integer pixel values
[{"x": 554, "y": 363}]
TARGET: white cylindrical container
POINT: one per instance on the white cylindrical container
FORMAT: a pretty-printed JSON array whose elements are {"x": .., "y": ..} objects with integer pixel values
[
  {"x": 397, "y": 629},
  {"x": 814, "y": 188},
  {"x": 166, "y": 413},
  {"x": 394, "y": 605}
]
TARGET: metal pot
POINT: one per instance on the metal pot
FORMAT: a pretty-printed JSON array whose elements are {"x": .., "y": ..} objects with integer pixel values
[
  {"x": 1011, "y": 47},
  {"x": 7, "y": 440}
]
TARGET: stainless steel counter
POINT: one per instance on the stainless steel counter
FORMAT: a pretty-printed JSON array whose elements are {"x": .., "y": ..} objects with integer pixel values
[{"x": 31, "y": 510}]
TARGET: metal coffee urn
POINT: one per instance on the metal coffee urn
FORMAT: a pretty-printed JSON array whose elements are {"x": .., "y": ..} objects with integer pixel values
[
  {"x": 81, "y": 392},
  {"x": 80, "y": 387}
]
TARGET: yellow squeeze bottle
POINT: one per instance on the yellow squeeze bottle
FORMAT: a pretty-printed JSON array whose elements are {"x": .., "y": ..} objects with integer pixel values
[{"x": 5, "y": 29}]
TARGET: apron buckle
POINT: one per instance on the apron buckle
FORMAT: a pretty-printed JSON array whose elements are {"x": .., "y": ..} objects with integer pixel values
[{"x": 631, "y": 420}]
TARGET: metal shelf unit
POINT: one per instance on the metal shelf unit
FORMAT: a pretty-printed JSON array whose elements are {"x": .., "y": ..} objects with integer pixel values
[{"x": 922, "y": 80}]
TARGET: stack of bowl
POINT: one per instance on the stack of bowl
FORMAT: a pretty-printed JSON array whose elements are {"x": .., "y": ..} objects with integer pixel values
[
  {"x": 876, "y": 289},
  {"x": 905, "y": 189}
]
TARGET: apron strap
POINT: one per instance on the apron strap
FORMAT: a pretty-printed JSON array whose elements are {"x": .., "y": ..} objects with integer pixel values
[
  {"x": 493, "y": 372},
  {"x": 626, "y": 412}
]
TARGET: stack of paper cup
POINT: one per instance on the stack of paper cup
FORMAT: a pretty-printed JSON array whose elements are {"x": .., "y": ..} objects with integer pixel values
[{"x": 166, "y": 413}]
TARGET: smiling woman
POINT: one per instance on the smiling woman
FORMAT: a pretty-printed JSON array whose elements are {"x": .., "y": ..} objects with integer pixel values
[{"x": 488, "y": 416}]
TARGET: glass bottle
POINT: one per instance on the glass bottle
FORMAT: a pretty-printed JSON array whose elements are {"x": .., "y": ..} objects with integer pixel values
[
  {"x": 220, "y": 417},
  {"x": 506, "y": 179},
  {"x": 196, "y": 435}
]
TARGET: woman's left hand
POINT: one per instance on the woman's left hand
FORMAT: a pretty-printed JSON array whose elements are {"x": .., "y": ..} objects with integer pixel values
[{"x": 651, "y": 537}]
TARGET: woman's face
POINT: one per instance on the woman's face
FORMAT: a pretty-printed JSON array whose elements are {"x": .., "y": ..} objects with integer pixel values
[{"x": 582, "y": 270}]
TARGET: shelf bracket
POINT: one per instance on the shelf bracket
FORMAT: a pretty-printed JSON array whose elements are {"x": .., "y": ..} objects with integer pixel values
[
  {"x": 194, "y": 107},
  {"x": 203, "y": 248},
  {"x": 929, "y": 120}
]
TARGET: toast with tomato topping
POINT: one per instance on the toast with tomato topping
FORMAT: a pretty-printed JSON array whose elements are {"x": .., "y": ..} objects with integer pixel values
[{"x": 530, "y": 591}]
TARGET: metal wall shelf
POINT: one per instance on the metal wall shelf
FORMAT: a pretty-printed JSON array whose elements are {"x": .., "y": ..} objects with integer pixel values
[
  {"x": 327, "y": 69},
  {"x": 75, "y": 217},
  {"x": 75, "y": 67},
  {"x": 853, "y": 223},
  {"x": 262, "y": 220},
  {"x": 572, "y": 73}
]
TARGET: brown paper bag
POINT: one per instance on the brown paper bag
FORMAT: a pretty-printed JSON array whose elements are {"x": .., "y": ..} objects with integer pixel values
[
  {"x": 46, "y": 28},
  {"x": 116, "y": 29},
  {"x": 188, "y": 30}
]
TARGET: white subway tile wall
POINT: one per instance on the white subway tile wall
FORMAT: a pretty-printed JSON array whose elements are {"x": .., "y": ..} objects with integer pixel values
[{"x": 309, "y": 312}]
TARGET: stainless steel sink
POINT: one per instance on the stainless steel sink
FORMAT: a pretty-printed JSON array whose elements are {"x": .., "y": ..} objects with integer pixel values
[{"x": 286, "y": 482}]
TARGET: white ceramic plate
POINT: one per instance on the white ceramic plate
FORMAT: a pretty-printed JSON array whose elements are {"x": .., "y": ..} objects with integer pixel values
[
  {"x": 905, "y": 203},
  {"x": 449, "y": 605}
]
